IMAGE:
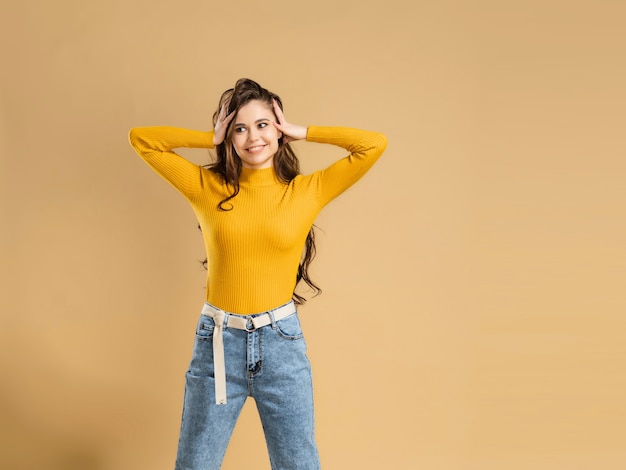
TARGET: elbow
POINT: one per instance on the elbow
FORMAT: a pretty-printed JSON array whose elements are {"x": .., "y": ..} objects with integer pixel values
[
  {"x": 132, "y": 135},
  {"x": 384, "y": 141},
  {"x": 136, "y": 138},
  {"x": 381, "y": 141}
]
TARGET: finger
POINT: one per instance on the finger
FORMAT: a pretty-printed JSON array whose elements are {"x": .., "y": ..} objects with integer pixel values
[
  {"x": 280, "y": 129},
  {"x": 229, "y": 118},
  {"x": 224, "y": 110},
  {"x": 279, "y": 112},
  {"x": 224, "y": 121}
]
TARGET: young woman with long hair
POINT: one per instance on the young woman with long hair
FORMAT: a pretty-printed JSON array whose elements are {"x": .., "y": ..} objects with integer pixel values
[{"x": 256, "y": 213}]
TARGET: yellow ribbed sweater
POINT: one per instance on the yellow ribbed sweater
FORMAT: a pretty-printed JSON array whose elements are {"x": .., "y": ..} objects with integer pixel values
[{"x": 254, "y": 249}]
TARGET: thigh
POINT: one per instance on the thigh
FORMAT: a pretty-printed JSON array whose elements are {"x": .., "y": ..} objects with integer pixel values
[
  {"x": 283, "y": 392},
  {"x": 206, "y": 428}
]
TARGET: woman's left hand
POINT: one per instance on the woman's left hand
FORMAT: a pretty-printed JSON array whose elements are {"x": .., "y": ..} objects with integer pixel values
[{"x": 290, "y": 131}]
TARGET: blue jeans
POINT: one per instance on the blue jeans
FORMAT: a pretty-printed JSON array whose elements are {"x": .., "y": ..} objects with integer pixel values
[{"x": 268, "y": 364}]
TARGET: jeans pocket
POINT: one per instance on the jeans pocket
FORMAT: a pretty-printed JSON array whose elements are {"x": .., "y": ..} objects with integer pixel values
[
  {"x": 205, "y": 327},
  {"x": 289, "y": 327}
]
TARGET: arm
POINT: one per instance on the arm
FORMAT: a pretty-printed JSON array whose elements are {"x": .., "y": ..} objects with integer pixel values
[
  {"x": 155, "y": 144},
  {"x": 365, "y": 148}
]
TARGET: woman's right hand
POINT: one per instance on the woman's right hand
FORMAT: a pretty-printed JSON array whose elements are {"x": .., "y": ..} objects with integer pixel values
[{"x": 223, "y": 119}]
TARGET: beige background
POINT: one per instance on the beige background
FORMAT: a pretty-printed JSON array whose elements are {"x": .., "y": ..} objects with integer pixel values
[{"x": 473, "y": 307}]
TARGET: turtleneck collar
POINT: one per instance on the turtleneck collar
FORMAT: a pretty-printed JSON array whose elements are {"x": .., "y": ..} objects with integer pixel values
[{"x": 262, "y": 177}]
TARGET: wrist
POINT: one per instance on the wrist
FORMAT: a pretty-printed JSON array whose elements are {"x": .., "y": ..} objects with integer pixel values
[
  {"x": 213, "y": 138},
  {"x": 300, "y": 133}
]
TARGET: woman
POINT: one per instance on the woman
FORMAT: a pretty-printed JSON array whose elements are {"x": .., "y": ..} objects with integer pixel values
[{"x": 256, "y": 214}]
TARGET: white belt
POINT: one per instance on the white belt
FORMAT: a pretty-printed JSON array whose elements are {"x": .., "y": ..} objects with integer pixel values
[{"x": 240, "y": 322}]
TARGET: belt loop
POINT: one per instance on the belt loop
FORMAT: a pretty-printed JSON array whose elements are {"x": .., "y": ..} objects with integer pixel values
[{"x": 271, "y": 315}]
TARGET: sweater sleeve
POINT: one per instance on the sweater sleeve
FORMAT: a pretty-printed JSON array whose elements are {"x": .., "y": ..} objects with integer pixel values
[
  {"x": 155, "y": 144},
  {"x": 365, "y": 148}
]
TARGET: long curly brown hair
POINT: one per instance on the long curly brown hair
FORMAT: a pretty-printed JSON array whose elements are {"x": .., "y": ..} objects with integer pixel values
[{"x": 286, "y": 166}]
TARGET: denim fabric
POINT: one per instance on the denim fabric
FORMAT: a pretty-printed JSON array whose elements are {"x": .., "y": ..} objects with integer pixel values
[{"x": 270, "y": 365}]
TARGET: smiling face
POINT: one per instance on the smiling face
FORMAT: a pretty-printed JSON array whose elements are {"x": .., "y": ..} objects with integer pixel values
[{"x": 254, "y": 137}]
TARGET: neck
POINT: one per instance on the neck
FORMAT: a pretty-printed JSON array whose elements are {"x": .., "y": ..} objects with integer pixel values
[{"x": 260, "y": 177}]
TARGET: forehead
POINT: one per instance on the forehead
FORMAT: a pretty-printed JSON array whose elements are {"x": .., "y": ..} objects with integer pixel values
[{"x": 253, "y": 111}]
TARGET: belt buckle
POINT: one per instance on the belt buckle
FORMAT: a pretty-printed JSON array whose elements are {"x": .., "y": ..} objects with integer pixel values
[{"x": 250, "y": 325}]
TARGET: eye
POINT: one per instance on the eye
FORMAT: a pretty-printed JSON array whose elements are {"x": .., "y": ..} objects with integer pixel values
[
  {"x": 240, "y": 129},
  {"x": 262, "y": 125}
]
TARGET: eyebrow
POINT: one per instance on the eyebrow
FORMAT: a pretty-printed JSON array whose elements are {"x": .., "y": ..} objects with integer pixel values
[{"x": 256, "y": 122}]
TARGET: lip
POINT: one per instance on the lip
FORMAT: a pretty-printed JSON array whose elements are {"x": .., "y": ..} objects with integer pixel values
[{"x": 255, "y": 148}]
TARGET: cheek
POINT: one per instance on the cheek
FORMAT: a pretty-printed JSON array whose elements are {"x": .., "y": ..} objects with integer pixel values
[
  {"x": 237, "y": 141},
  {"x": 272, "y": 134}
]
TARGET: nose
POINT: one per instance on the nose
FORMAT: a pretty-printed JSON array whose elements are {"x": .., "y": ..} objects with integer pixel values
[{"x": 253, "y": 134}]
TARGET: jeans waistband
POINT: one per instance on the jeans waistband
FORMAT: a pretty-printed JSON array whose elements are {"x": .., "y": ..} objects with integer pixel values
[{"x": 247, "y": 323}]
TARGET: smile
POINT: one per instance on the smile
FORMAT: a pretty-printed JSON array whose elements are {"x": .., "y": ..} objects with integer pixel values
[{"x": 255, "y": 149}]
